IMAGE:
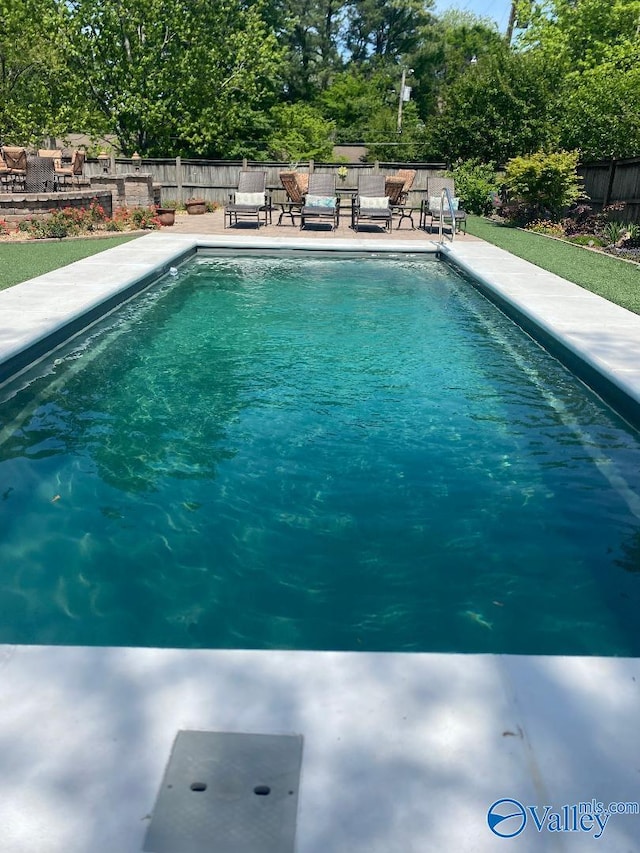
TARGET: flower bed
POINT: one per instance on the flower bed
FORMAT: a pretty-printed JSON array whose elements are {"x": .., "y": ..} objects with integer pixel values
[
  {"x": 79, "y": 221},
  {"x": 584, "y": 227}
]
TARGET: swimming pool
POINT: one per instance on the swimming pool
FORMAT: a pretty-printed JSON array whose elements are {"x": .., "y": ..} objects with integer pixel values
[{"x": 340, "y": 453}]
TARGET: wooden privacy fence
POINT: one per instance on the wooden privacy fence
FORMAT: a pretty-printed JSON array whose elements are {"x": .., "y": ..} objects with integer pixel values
[
  {"x": 609, "y": 181},
  {"x": 213, "y": 180}
]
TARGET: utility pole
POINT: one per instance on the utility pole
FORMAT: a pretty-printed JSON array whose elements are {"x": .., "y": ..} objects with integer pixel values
[{"x": 401, "y": 98}]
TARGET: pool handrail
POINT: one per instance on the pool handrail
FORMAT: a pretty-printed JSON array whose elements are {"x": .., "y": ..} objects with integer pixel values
[{"x": 446, "y": 194}]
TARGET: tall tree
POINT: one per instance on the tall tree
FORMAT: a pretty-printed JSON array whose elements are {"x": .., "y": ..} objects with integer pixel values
[
  {"x": 497, "y": 109},
  {"x": 385, "y": 28},
  {"x": 32, "y": 77},
  {"x": 578, "y": 34},
  {"x": 172, "y": 76}
]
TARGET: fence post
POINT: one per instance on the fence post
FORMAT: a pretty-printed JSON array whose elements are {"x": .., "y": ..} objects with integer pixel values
[
  {"x": 244, "y": 164},
  {"x": 610, "y": 178},
  {"x": 312, "y": 165},
  {"x": 376, "y": 167},
  {"x": 180, "y": 199}
]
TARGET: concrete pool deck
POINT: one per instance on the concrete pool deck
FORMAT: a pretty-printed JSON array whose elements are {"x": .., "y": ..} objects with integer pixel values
[{"x": 402, "y": 752}]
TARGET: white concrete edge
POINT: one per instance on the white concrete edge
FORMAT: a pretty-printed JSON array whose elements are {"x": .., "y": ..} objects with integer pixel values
[{"x": 622, "y": 331}]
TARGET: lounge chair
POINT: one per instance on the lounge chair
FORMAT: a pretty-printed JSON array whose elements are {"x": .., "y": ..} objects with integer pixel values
[
  {"x": 62, "y": 174},
  {"x": 296, "y": 186},
  {"x": 16, "y": 161},
  {"x": 458, "y": 216},
  {"x": 249, "y": 201},
  {"x": 371, "y": 204},
  {"x": 321, "y": 202}
]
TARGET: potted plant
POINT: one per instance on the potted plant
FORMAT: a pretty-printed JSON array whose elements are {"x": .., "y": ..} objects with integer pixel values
[
  {"x": 196, "y": 206},
  {"x": 166, "y": 214}
]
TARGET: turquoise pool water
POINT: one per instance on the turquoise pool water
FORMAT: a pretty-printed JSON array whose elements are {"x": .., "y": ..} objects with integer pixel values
[{"x": 317, "y": 453}]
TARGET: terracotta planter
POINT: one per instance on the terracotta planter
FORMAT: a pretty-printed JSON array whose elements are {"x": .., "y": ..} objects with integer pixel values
[
  {"x": 166, "y": 215},
  {"x": 196, "y": 207}
]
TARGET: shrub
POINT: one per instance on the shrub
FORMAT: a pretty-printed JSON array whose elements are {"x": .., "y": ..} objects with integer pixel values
[
  {"x": 547, "y": 183},
  {"x": 614, "y": 231},
  {"x": 545, "y": 226},
  {"x": 144, "y": 218},
  {"x": 589, "y": 240},
  {"x": 476, "y": 185},
  {"x": 4, "y": 227}
]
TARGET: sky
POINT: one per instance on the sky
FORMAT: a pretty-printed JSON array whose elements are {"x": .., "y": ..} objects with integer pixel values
[{"x": 498, "y": 10}]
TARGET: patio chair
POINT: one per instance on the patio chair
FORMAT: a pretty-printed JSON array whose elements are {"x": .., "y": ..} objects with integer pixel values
[
  {"x": 249, "y": 201},
  {"x": 371, "y": 204},
  {"x": 321, "y": 202},
  {"x": 435, "y": 186},
  {"x": 16, "y": 161},
  {"x": 5, "y": 177},
  {"x": 397, "y": 188},
  {"x": 409, "y": 176},
  {"x": 62, "y": 174},
  {"x": 296, "y": 186}
]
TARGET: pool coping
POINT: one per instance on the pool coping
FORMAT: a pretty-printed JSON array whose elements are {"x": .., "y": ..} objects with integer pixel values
[{"x": 402, "y": 752}]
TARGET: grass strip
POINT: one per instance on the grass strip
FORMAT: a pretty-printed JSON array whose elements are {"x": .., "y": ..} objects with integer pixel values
[
  {"x": 609, "y": 277},
  {"x": 22, "y": 261}
]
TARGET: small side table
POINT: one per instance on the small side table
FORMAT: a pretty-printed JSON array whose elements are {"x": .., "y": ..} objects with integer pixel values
[
  {"x": 289, "y": 208},
  {"x": 407, "y": 212}
]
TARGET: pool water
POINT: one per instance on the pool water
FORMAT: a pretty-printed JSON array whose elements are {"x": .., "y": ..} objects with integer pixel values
[{"x": 317, "y": 453}]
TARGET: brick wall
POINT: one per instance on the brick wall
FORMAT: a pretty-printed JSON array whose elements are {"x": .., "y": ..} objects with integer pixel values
[{"x": 16, "y": 207}]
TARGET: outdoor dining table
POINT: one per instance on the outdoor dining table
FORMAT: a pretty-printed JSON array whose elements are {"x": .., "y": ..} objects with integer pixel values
[{"x": 40, "y": 176}]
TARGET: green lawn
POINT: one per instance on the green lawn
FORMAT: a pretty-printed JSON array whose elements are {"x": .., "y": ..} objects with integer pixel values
[
  {"x": 616, "y": 280},
  {"x": 20, "y": 261}
]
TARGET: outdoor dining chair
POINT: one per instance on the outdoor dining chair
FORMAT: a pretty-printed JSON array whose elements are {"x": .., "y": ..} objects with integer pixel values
[
  {"x": 62, "y": 174},
  {"x": 5, "y": 176},
  {"x": 250, "y": 200},
  {"x": 16, "y": 161},
  {"x": 371, "y": 203}
]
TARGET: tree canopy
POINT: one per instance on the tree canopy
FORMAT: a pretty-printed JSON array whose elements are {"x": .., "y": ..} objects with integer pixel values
[{"x": 289, "y": 78}]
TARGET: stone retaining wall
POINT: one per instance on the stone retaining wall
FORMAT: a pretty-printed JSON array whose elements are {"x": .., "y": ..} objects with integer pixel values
[{"x": 16, "y": 207}]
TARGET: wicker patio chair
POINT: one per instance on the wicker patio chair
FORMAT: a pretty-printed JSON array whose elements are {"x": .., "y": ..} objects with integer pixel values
[
  {"x": 435, "y": 186},
  {"x": 371, "y": 203},
  {"x": 397, "y": 188},
  {"x": 249, "y": 201},
  {"x": 321, "y": 202},
  {"x": 53, "y": 153},
  {"x": 74, "y": 172},
  {"x": 296, "y": 186},
  {"x": 16, "y": 160},
  {"x": 409, "y": 176},
  {"x": 394, "y": 188},
  {"x": 5, "y": 176}
]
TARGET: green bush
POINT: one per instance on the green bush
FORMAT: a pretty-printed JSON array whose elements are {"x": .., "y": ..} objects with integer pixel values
[
  {"x": 476, "y": 185},
  {"x": 614, "y": 231},
  {"x": 546, "y": 183},
  {"x": 586, "y": 240},
  {"x": 545, "y": 226}
]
